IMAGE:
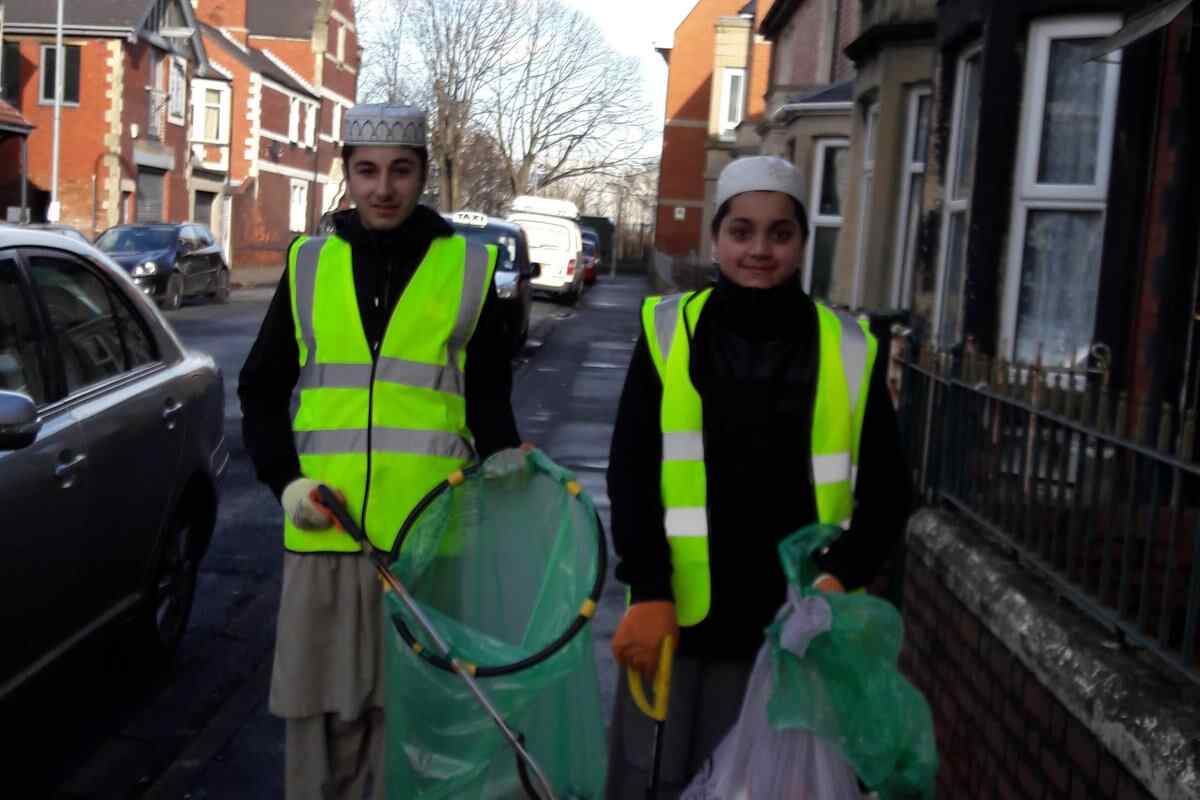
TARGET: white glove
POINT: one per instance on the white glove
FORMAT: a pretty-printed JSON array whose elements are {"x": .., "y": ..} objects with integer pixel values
[{"x": 298, "y": 504}]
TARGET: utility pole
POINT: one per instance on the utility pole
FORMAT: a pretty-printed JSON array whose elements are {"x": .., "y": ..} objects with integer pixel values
[{"x": 60, "y": 70}]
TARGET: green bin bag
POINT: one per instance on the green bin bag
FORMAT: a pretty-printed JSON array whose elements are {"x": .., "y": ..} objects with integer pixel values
[
  {"x": 501, "y": 565},
  {"x": 847, "y": 687}
]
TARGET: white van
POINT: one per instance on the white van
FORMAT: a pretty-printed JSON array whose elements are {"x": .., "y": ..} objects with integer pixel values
[{"x": 555, "y": 243}]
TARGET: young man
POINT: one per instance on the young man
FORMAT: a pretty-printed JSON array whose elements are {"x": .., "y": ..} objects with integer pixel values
[{"x": 390, "y": 330}]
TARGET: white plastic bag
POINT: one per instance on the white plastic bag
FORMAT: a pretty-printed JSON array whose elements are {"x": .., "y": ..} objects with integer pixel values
[{"x": 756, "y": 762}]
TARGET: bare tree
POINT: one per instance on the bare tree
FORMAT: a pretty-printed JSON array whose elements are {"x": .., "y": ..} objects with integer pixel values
[
  {"x": 566, "y": 103},
  {"x": 390, "y": 71},
  {"x": 485, "y": 184}
]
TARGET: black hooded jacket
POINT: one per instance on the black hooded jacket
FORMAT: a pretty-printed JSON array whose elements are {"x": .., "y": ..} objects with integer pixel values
[
  {"x": 754, "y": 363},
  {"x": 383, "y": 263}
]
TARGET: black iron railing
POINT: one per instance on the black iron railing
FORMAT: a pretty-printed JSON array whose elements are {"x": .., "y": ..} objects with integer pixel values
[{"x": 1100, "y": 497}]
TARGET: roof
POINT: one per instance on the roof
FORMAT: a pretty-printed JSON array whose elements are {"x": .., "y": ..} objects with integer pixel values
[
  {"x": 280, "y": 18},
  {"x": 11, "y": 120},
  {"x": 253, "y": 59},
  {"x": 93, "y": 13},
  {"x": 750, "y": 8},
  {"x": 842, "y": 92}
]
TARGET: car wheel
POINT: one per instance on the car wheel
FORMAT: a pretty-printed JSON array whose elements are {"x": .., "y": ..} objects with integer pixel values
[
  {"x": 221, "y": 293},
  {"x": 168, "y": 604},
  {"x": 173, "y": 296}
]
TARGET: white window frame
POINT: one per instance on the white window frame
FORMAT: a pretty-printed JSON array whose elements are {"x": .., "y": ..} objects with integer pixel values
[
  {"x": 200, "y": 108},
  {"x": 293, "y": 119},
  {"x": 951, "y": 205},
  {"x": 176, "y": 91},
  {"x": 310, "y": 125},
  {"x": 341, "y": 44},
  {"x": 298, "y": 206},
  {"x": 866, "y": 190},
  {"x": 905, "y": 248},
  {"x": 725, "y": 128},
  {"x": 45, "y": 100},
  {"x": 1029, "y": 194},
  {"x": 816, "y": 218}
]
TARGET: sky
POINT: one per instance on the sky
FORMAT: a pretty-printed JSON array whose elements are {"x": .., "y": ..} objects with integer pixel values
[{"x": 634, "y": 27}]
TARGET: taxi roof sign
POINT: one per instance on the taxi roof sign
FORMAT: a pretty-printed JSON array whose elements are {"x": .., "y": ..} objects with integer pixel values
[{"x": 472, "y": 218}]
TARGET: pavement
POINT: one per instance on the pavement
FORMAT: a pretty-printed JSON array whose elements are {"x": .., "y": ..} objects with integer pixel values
[{"x": 203, "y": 729}]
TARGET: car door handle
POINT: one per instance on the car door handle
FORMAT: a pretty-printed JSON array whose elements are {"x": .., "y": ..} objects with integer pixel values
[
  {"x": 170, "y": 412},
  {"x": 67, "y": 467}
]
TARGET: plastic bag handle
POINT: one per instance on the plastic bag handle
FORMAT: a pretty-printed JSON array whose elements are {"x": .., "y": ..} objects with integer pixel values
[{"x": 662, "y": 684}]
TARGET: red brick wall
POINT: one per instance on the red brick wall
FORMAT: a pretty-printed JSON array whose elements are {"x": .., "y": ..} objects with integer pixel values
[
  {"x": 804, "y": 47},
  {"x": 682, "y": 173},
  {"x": 843, "y": 67},
  {"x": 760, "y": 68},
  {"x": 296, "y": 53},
  {"x": 260, "y": 225},
  {"x": 229, "y": 14},
  {"x": 1001, "y": 734},
  {"x": 81, "y": 131},
  {"x": 677, "y": 238}
]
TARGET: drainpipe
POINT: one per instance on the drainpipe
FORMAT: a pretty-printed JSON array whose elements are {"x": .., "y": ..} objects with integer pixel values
[{"x": 25, "y": 178}]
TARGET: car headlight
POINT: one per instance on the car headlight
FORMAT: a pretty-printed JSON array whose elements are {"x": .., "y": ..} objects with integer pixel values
[{"x": 144, "y": 270}]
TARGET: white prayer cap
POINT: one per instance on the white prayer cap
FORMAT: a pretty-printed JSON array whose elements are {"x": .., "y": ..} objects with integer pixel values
[
  {"x": 759, "y": 174},
  {"x": 384, "y": 124}
]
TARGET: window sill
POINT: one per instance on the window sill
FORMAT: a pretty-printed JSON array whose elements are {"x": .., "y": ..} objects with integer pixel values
[{"x": 50, "y": 103}]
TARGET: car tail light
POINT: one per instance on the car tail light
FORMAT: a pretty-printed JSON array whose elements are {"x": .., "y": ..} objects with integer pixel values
[{"x": 571, "y": 267}]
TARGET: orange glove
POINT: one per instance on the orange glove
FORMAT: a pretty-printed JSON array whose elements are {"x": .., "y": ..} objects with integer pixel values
[
  {"x": 638, "y": 640},
  {"x": 828, "y": 583}
]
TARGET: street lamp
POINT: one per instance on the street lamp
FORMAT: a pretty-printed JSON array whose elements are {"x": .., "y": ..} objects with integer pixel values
[{"x": 60, "y": 70}]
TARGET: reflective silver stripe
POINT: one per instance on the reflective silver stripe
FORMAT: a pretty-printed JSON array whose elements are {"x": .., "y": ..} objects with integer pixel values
[
  {"x": 447, "y": 379},
  {"x": 854, "y": 358},
  {"x": 666, "y": 314},
  {"x": 683, "y": 446},
  {"x": 691, "y": 521},
  {"x": 474, "y": 283},
  {"x": 833, "y": 468},
  {"x": 388, "y": 440},
  {"x": 307, "y": 260},
  {"x": 335, "y": 376}
]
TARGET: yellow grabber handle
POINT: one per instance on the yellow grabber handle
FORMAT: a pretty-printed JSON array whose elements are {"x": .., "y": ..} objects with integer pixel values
[{"x": 662, "y": 684}]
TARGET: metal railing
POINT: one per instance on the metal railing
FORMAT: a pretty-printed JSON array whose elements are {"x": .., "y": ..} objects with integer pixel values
[{"x": 1097, "y": 495}]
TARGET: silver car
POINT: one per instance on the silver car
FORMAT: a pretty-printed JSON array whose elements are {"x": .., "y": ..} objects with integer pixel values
[{"x": 111, "y": 449}]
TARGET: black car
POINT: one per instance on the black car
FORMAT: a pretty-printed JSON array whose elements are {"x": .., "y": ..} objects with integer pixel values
[
  {"x": 513, "y": 269},
  {"x": 170, "y": 262}
]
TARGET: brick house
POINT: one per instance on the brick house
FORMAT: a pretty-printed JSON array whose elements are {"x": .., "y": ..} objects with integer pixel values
[
  {"x": 808, "y": 118},
  {"x": 294, "y": 72},
  {"x": 14, "y": 187},
  {"x": 709, "y": 94},
  {"x": 124, "y": 152}
]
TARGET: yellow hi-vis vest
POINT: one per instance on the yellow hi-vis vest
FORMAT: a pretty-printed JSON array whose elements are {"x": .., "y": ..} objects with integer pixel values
[
  {"x": 847, "y": 353},
  {"x": 383, "y": 430}
]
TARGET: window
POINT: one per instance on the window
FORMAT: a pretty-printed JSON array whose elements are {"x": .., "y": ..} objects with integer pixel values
[
  {"x": 20, "y": 365},
  {"x": 733, "y": 99},
  {"x": 828, "y": 191},
  {"x": 957, "y": 207},
  {"x": 158, "y": 100},
  {"x": 299, "y": 206},
  {"x": 70, "y": 77},
  {"x": 84, "y": 329},
  {"x": 912, "y": 192},
  {"x": 1061, "y": 189},
  {"x": 294, "y": 120},
  {"x": 866, "y": 187},
  {"x": 10, "y": 74},
  {"x": 341, "y": 44},
  {"x": 177, "y": 92},
  {"x": 210, "y": 113},
  {"x": 310, "y": 125}
]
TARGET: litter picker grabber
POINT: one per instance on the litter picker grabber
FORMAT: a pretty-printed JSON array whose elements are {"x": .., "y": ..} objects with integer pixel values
[
  {"x": 544, "y": 791},
  {"x": 656, "y": 711}
]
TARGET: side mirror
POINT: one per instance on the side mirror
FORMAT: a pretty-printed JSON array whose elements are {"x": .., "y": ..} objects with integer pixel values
[
  {"x": 19, "y": 423},
  {"x": 535, "y": 271}
]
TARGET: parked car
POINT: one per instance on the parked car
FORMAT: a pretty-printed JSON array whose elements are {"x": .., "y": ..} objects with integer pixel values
[
  {"x": 111, "y": 450},
  {"x": 591, "y": 255},
  {"x": 55, "y": 227},
  {"x": 170, "y": 262},
  {"x": 514, "y": 271},
  {"x": 555, "y": 242}
]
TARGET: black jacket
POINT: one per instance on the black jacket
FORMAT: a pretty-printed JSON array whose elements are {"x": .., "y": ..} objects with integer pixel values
[
  {"x": 754, "y": 362},
  {"x": 383, "y": 264}
]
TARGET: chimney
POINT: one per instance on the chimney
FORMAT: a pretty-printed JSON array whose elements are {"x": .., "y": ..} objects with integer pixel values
[{"x": 229, "y": 15}]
